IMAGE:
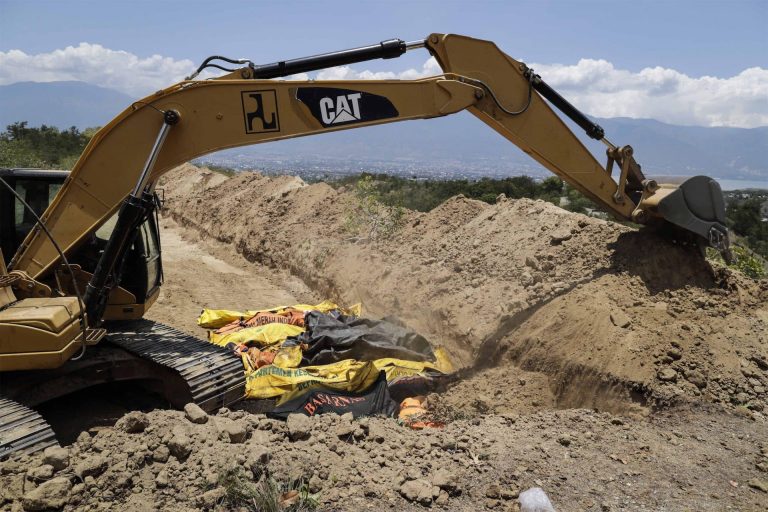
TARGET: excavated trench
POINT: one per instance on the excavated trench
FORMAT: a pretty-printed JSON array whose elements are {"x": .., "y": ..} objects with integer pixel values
[
  {"x": 568, "y": 385},
  {"x": 586, "y": 313}
]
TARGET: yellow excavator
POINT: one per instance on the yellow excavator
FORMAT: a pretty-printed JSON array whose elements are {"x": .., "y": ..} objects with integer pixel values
[{"x": 73, "y": 295}]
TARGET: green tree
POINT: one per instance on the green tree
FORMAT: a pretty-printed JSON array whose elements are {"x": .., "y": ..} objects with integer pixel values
[
  {"x": 46, "y": 146},
  {"x": 744, "y": 219},
  {"x": 367, "y": 217}
]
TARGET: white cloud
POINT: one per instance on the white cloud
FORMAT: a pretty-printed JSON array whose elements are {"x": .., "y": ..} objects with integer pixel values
[
  {"x": 594, "y": 86},
  {"x": 94, "y": 64},
  {"x": 599, "y": 89}
]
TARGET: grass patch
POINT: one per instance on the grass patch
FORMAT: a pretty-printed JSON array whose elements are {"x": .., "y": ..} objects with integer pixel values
[{"x": 268, "y": 495}]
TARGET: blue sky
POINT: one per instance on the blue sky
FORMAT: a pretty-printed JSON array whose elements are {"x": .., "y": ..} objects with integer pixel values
[
  {"x": 615, "y": 41},
  {"x": 695, "y": 37}
]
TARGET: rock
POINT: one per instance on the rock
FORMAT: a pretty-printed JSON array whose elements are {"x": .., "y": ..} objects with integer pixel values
[
  {"x": 40, "y": 473},
  {"x": 564, "y": 440},
  {"x": 11, "y": 487},
  {"x": 413, "y": 474},
  {"x": 345, "y": 429},
  {"x": 620, "y": 319},
  {"x": 419, "y": 491},
  {"x": 84, "y": 440},
  {"x": 299, "y": 426},
  {"x": 232, "y": 431},
  {"x": 675, "y": 354},
  {"x": 91, "y": 466},
  {"x": 760, "y": 485},
  {"x": 444, "y": 479},
  {"x": 531, "y": 262},
  {"x": 667, "y": 375},
  {"x": 161, "y": 481},
  {"x": 493, "y": 491},
  {"x": 696, "y": 378},
  {"x": 195, "y": 414},
  {"x": 442, "y": 499},
  {"x": 57, "y": 457},
  {"x": 560, "y": 236},
  {"x": 161, "y": 454},
  {"x": 52, "y": 494},
  {"x": 510, "y": 494},
  {"x": 740, "y": 398},
  {"x": 133, "y": 422},
  {"x": 179, "y": 444}
]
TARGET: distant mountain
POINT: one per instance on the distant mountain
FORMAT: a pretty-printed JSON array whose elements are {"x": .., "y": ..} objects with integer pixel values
[
  {"x": 451, "y": 143},
  {"x": 462, "y": 140},
  {"x": 60, "y": 104}
]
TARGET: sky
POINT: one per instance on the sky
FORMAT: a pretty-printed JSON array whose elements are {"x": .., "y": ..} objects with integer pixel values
[{"x": 700, "y": 62}]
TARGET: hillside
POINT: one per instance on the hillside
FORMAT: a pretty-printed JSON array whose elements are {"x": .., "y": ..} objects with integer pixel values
[{"x": 60, "y": 104}]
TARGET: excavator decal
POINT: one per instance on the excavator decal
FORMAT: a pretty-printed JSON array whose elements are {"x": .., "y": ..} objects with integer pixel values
[
  {"x": 333, "y": 107},
  {"x": 265, "y": 111}
]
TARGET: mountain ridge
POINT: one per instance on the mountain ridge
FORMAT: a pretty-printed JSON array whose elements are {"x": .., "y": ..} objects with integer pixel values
[{"x": 453, "y": 141}]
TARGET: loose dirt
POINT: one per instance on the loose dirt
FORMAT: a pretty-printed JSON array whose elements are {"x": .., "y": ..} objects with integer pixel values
[
  {"x": 610, "y": 367},
  {"x": 197, "y": 277}
]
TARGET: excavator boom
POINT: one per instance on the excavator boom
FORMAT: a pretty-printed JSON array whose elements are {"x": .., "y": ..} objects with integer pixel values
[{"x": 246, "y": 107}]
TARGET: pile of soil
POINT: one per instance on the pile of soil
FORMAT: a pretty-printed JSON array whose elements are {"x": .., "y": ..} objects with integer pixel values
[
  {"x": 618, "y": 319},
  {"x": 583, "y": 459}
]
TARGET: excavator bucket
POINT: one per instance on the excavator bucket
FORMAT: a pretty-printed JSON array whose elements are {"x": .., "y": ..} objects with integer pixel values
[{"x": 694, "y": 204}]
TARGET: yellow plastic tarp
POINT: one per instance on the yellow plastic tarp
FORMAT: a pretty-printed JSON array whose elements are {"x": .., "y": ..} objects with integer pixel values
[
  {"x": 263, "y": 335},
  {"x": 288, "y": 357},
  {"x": 272, "y": 381},
  {"x": 216, "y": 318}
]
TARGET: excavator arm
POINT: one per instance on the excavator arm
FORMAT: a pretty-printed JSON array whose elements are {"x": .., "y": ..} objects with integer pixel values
[{"x": 246, "y": 106}]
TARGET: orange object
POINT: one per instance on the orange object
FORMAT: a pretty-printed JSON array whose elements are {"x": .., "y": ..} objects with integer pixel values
[
  {"x": 411, "y": 409},
  {"x": 287, "y": 316},
  {"x": 290, "y": 316},
  {"x": 260, "y": 358}
]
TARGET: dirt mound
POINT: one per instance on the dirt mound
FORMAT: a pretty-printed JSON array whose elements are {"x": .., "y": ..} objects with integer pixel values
[
  {"x": 586, "y": 461},
  {"x": 634, "y": 318}
]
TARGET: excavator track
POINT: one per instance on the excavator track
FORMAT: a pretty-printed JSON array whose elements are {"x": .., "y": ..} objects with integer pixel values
[
  {"x": 214, "y": 377},
  {"x": 181, "y": 367},
  {"x": 22, "y": 429}
]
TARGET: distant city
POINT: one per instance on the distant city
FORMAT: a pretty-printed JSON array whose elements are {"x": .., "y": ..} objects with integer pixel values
[{"x": 323, "y": 167}]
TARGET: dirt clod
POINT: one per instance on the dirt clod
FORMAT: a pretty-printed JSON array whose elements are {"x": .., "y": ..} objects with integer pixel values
[
  {"x": 195, "y": 414},
  {"x": 57, "y": 457},
  {"x": 133, "y": 422},
  {"x": 50, "y": 495}
]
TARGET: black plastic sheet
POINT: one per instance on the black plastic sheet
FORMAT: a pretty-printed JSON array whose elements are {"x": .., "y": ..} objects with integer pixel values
[
  {"x": 335, "y": 339},
  {"x": 320, "y": 400}
]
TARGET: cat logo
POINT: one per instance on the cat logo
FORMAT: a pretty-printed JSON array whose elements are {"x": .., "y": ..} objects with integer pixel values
[
  {"x": 346, "y": 108},
  {"x": 335, "y": 107},
  {"x": 260, "y": 111}
]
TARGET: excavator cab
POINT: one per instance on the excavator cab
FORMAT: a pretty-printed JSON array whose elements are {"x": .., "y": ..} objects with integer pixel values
[
  {"x": 37, "y": 187},
  {"x": 39, "y": 330}
]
